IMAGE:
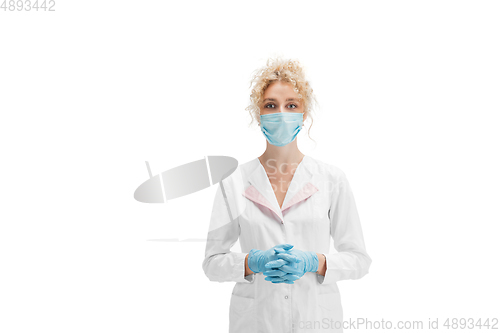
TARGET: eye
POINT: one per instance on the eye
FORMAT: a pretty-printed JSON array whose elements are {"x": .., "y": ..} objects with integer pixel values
[
  {"x": 295, "y": 106},
  {"x": 270, "y": 104}
]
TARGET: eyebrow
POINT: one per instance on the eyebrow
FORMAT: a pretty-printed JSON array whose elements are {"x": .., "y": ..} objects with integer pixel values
[{"x": 272, "y": 99}]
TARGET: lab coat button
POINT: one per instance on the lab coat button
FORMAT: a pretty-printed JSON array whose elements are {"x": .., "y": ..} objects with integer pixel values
[{"x": 286, "y": 297}]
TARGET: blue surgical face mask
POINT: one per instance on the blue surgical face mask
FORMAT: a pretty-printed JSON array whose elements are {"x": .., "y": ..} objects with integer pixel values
[{"x": 281, "y": 128}]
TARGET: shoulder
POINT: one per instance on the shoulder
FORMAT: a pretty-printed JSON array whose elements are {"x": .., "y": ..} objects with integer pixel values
[
  {"x": 247, "y": 168},
  {"x": 327, "y": 170},
  {"x": 239, "y": 177}
]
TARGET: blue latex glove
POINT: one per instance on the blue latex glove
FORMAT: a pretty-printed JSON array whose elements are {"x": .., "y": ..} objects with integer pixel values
[
  {"x": 298, "y": 263},
  {"x": 274, "y": 274},
  {"x": 257, "y": 259}
]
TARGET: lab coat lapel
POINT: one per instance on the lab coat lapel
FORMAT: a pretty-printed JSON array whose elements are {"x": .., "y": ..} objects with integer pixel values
[
  {"x": 305, "y": 192},
  {"x": 261, "y": 192},
  {"x": 301, "y": 187}
]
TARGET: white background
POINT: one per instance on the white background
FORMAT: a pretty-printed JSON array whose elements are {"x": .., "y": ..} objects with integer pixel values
[{"x": 409, "y": 106}]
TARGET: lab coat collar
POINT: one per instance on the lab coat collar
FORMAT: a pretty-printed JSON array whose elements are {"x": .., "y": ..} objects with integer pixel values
[{"x": 261, "y": 192}]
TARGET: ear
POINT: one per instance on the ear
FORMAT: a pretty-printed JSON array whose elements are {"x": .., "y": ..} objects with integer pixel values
[{"x": 305, "y": 117}]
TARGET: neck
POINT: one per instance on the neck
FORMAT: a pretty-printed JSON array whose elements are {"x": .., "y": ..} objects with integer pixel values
[{"x": 276, "y": 156}]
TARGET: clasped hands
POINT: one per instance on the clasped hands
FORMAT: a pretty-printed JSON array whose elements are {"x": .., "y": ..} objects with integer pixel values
[{"x": 282, "y": 264}]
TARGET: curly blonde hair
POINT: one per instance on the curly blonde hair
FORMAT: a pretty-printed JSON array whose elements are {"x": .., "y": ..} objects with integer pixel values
[{"x": 284, "y": 70}]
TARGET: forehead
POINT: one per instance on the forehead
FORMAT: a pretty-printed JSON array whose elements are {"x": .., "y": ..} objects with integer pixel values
[{"x": 279, "y": 88}]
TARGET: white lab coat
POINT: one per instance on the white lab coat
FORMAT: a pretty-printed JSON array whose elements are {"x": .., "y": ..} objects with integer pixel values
[{"x": 318, "y": 204}]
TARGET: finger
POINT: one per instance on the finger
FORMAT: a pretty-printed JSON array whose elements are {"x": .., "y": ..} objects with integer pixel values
[
  {"x": 274, "y": 273},
  {"x": 291, "y": 277},
  {"x": 276, "y": 263},
  {"x": 285, "y": 246},
  {"x": 288, "y": 257},
  {"x": 274, "y": 279},
  {"x": 289, "y": 269}
]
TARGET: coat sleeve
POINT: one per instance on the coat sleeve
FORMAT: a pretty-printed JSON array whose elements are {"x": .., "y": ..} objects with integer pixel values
[
  {"x": 220, "y": 263},
  {"x": 351, "y": 261}
]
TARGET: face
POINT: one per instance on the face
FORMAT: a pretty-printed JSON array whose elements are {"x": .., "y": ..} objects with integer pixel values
[{"x": 280, "y": 97}]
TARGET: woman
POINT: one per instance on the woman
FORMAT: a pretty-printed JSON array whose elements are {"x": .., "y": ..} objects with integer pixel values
[{"x": 283, "y": 207}]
